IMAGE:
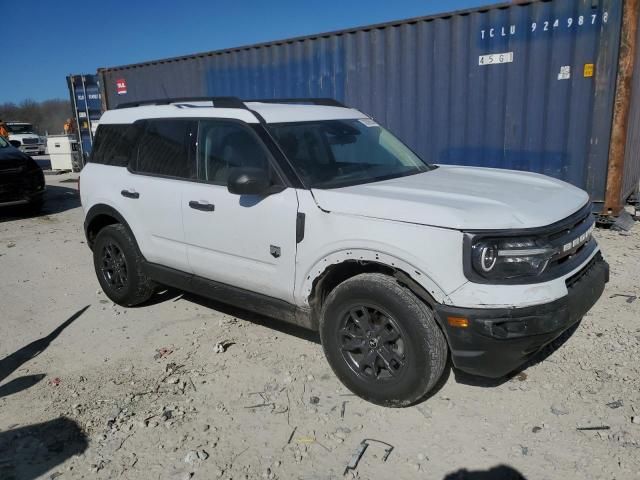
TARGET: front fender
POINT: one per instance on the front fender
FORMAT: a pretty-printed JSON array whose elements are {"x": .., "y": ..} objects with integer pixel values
[{"x": 308, "y": 278}]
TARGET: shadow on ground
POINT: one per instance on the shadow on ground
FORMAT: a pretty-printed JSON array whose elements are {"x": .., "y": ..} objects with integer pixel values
[
  {"x": 58, "y": 199},
  {"x": 541, "y": 356},
  {"x": 12, "y": 362},
  {"x": 21, "y": 383},
  {"x": 501, "y": 472},
  {"x": 28, "y": 452}
]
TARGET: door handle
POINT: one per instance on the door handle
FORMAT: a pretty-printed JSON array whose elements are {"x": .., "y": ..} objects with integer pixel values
[
  {"x": 129, "y": 194},
  {"x": 203, "y": 206}
]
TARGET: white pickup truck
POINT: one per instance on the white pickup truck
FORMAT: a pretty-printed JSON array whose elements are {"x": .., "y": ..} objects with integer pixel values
[{"x": 29, "y": 142}]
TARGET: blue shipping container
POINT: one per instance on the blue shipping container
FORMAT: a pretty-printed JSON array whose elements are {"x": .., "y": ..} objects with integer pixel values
[
  {"x": 526, "y": 86},
  {"x": 86, "y": 102}
]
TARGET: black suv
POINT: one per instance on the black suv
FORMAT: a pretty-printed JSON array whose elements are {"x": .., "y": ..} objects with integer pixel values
[{"x": 21, "y": 179}]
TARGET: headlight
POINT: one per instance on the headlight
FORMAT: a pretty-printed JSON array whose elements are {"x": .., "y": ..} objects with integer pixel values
[{"x": 505, "y": 258}]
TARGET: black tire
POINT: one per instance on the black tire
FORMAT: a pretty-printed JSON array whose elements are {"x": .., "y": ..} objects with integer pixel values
[
  {"x": 119, "y": 267},
  {"x": 390, "y": 373}
]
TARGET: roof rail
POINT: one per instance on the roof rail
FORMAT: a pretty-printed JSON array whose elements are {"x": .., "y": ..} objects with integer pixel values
[
  {"x": 219, "y": 102},
  {"x": 327, "y": 102}
]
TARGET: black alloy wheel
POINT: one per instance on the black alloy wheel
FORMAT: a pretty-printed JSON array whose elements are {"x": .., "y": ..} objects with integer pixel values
[
  {"x": 119, "y": 267},
  {"x": 114, "y": 266},
  {"x": 372, "y": 344}
]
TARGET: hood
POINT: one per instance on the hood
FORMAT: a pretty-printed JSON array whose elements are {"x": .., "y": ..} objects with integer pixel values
[
  {"x": 12, "y": 158},
  {"x": 463, "y": 198}
]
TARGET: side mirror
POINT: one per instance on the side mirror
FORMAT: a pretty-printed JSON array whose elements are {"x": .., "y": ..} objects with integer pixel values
[
  {"x": 249, "y": 181},
  {"x": 15, "y": 143}
]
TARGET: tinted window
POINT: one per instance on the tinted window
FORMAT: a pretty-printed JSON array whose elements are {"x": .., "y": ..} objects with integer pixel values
[
  {"x": 164, "y": 149},
  {"x": 223, "y": 146},
  {"x": 336, "y": 153},
  {"x": 113, "y": 145}
]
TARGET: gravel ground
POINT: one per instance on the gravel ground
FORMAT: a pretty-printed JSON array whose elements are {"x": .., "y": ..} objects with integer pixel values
[{"x": 184, "y": 388}]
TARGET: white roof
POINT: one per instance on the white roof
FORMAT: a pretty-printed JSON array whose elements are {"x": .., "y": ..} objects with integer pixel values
[
  {"x": 280, "y": 112},
  {"x": 271, "y": 112}
]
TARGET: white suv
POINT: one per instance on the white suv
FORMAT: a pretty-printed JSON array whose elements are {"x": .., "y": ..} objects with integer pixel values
[{"x": 312, "y": 213}]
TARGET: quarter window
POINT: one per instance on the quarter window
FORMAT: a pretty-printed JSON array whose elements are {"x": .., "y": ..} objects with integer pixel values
[
  {"x": 164, "y": 149},
  {"x": 223, "y": 146},
  {"x": 113, "y": 144}
]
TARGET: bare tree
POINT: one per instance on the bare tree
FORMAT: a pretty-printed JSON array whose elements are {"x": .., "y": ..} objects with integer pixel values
[{"x": 47, "y": 117}]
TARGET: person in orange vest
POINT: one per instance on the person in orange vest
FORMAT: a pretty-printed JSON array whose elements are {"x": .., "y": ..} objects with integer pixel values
[
  {"x": 68, "y": 128},
  {"x": 4, "y": 132}
]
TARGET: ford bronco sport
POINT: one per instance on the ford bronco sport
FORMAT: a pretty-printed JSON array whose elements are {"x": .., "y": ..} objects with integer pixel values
[{"x": 312, "y": 213}]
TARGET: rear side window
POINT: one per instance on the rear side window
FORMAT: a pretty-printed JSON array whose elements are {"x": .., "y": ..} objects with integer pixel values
[
  {"x": 113, "y": 144},
  {"x": 165, "y": 148}
]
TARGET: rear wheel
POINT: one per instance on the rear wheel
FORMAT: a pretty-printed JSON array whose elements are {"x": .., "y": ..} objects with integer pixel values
[
  {"x": 119, "y": 267},
  {"x": 382, "y": 341}
]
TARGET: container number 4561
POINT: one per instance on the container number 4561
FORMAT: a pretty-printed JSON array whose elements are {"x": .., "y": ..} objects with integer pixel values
[{"x": 496, "y": 58}]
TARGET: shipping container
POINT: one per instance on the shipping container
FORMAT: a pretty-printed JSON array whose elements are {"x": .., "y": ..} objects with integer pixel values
[
  {"x": 527, "y": 86},
  {"x": 86, "y": 102}
]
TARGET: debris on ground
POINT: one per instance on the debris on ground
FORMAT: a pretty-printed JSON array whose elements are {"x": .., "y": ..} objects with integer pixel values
[
  {"x": 521, "y": 377},
  {"x": 221, "y": 347},
  {"x": 359, "y": 452},
  {"x": 615, "y": 404},
  {"x": 630, "y": 298},
  {"x": 162, "y": 353}
]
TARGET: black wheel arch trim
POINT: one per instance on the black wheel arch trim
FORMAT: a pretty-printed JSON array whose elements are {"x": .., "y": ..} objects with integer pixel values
[{"x": 104, "y": 209}]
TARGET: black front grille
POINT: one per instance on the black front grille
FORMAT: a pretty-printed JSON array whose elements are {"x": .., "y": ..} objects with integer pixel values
[
  {"x": 29, "y": 141},
  {"x": 562, "y": 238},
  {"x": 16, "y": 185}
]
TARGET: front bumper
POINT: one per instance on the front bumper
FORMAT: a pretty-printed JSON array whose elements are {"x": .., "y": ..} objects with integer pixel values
[
  {"x": 497, "y": 341},
  {"x": 32, "y": 148},
  {"x": 21, "y": 188},
  {"x": 24, "y": 200}
]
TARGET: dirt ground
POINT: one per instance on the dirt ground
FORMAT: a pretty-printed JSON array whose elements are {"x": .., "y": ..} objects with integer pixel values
[{"x": 184, "y": 388}]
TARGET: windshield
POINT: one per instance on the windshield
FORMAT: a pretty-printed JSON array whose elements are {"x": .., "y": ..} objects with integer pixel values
[
  {"x": 3, "y": 143},
  {"x": 338, "y": 153},
  {"x": 20, "y": 128}
]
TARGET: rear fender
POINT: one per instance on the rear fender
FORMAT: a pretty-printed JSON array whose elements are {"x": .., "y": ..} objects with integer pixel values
[{"x": 104, "y": 209}]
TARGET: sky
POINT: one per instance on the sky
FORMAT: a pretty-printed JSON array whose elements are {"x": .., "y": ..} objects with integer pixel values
[{"x": 45, "y": 40}]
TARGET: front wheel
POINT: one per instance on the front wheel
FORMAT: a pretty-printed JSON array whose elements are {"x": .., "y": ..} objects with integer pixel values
[
  {"x": 119, "y": 267},
  {"x": 382, "y": 341}
]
